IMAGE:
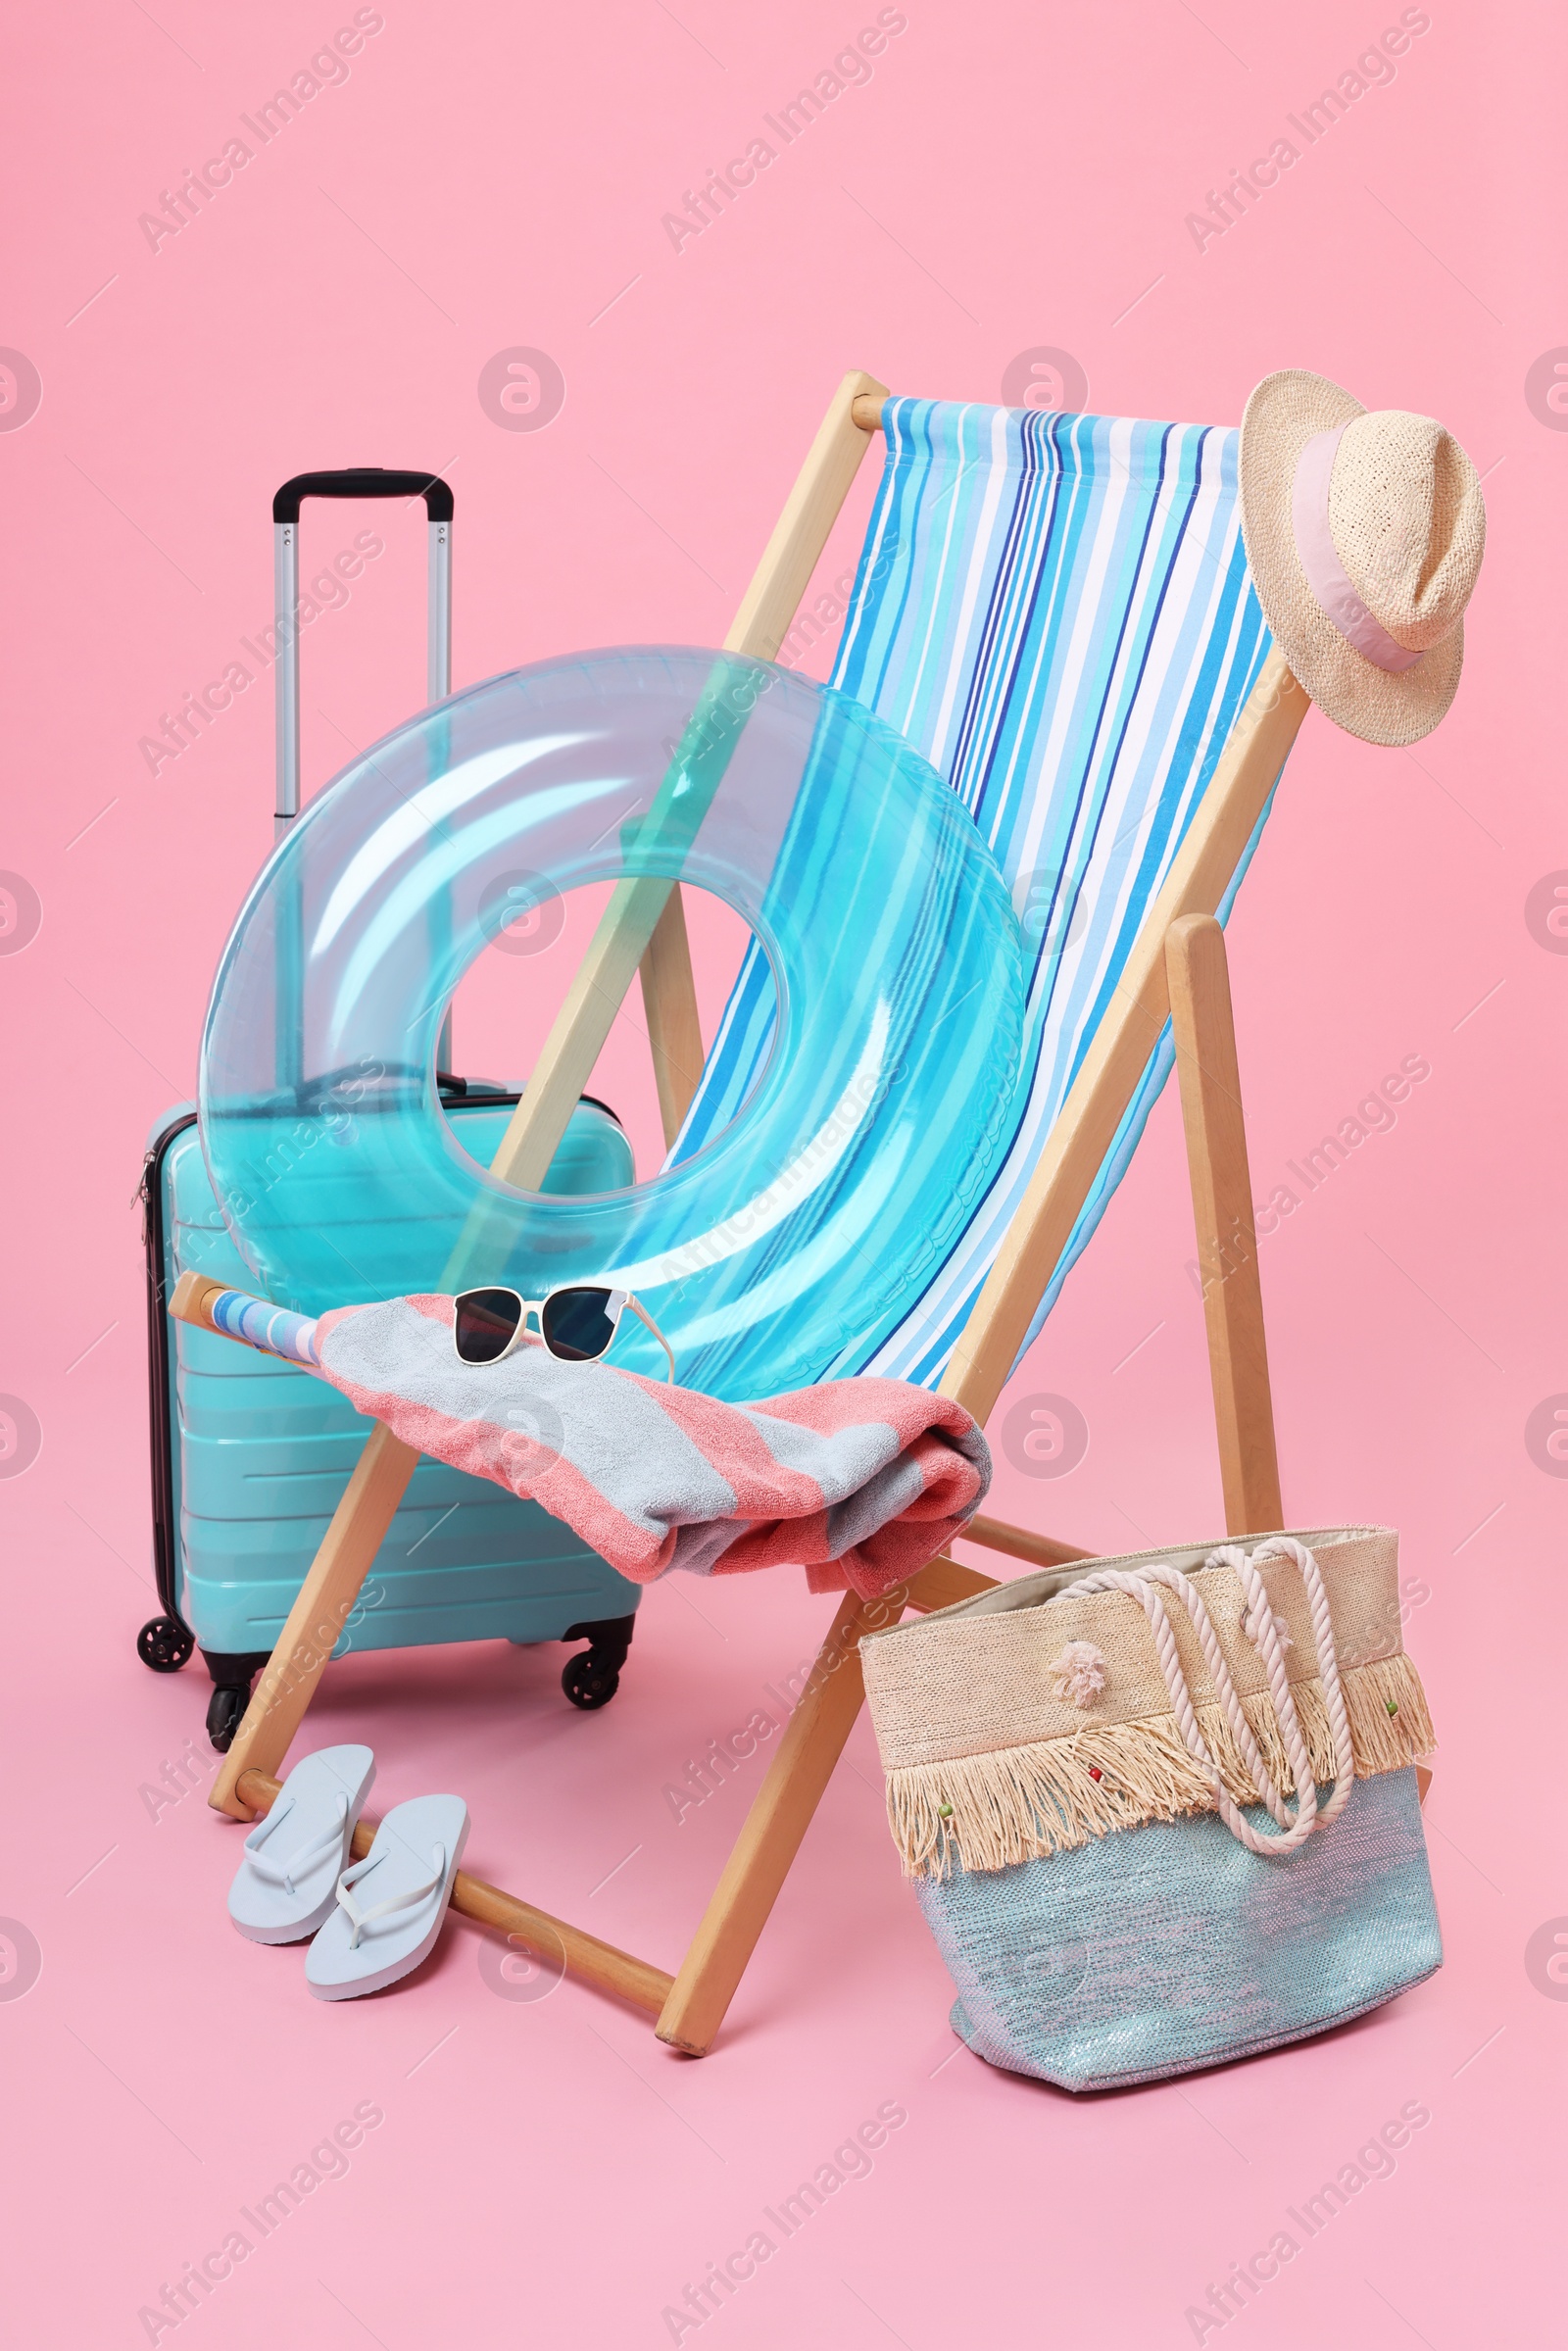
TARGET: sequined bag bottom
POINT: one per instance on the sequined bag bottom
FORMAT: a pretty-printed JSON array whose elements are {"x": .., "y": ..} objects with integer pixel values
[{"x": 1159, "y": 1950}]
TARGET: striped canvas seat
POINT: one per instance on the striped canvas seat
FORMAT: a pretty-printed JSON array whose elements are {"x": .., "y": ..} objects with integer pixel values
[{"x": 1057, "y": 611}]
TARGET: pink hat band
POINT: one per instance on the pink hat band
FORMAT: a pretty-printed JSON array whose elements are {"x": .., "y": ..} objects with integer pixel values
[{"x": 1319, "y": 559}]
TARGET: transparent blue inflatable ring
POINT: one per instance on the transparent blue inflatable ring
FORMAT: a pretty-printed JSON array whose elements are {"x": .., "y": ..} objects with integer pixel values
[{"x": 786, "y": 1247}]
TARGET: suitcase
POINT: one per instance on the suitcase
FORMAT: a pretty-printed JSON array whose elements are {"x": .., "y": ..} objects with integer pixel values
[{"x": 250, "y": 1455}]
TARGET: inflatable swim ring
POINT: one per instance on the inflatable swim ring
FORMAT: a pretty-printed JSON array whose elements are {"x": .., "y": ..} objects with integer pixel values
[{"x": 782, "y": 1251}]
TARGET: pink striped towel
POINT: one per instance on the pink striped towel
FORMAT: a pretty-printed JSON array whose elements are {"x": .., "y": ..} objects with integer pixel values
[{"x": 860, "y": 1482}]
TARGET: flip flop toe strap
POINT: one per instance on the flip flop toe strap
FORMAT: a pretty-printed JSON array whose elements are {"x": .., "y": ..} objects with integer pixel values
[
  {"x": 301, "y": 1863},
  {"x": 360, "y": 1919}
]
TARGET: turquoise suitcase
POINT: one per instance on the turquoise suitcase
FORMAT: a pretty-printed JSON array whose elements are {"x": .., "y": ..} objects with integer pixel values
[{"x": 250, "y": 1457}]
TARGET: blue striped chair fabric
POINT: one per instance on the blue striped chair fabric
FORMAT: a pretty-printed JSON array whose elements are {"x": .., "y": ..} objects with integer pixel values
[{"x": 1057, "y": 611}]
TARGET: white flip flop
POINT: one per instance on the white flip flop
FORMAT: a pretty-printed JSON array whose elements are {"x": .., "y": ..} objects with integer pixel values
[
  {"x": 406, "y": 1880},
  {"x": 286, "y": 1885}
]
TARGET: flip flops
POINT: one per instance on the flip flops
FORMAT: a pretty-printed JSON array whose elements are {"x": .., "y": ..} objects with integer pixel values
[
  {"x": 390, "y": 1905},
  {"x": 286, "y": 1885},
  {"x": 371, "y": 1922}
]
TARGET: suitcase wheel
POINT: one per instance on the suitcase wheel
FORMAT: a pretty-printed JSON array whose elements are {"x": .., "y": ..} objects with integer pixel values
[
  {"x": 589, "y": 1681},
  {"x": 226, "y": 1711},
  {"x": 592, "y": 1677},
  {"x": 233, "y": 1671},
  {"x": 165, "y": 1644}
]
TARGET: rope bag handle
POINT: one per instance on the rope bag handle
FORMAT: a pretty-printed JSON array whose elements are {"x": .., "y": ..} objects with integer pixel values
[{"x": 1147, "y": 1585}]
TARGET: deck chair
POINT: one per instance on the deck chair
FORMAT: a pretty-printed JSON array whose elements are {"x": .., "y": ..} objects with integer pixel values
[{"x": 1057, "y": 611}]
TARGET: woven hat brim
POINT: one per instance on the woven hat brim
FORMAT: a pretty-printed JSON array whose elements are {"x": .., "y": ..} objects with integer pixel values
[{"x": 1285, "y": 411}]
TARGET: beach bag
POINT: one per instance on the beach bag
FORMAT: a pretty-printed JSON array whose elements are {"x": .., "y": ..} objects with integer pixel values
[{"x": 1161, "y": 1811}]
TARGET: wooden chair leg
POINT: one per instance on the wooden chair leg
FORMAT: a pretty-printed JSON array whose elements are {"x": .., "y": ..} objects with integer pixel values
[
  {"x": 1222, "y": 1210},
  {"x": 675, "y": 1030},
  {"x": 783, "y": 1807},
  {"x": 769, "y": 1840},
  {"x": 318, "y": 1617}
]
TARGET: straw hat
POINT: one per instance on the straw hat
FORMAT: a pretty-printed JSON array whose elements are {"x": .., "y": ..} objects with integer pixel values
[{"x": 1364, "y": 532}]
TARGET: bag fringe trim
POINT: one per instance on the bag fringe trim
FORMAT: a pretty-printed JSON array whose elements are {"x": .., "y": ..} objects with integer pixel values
[{"x": 985, "y": 1812}]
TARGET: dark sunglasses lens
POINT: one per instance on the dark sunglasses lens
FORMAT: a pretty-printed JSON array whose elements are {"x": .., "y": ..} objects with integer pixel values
[
  {"x": 576, "y": 1324},
  {"x": 486, "y": 1324}
]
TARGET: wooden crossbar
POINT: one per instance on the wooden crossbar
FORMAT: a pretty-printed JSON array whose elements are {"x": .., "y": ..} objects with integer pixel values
[
  {"x": 1040, "y": 1550},
  {"x": 550, "y": 1939}
]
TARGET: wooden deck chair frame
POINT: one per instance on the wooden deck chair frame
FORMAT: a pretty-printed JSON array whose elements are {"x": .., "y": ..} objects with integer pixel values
[{"x": 1177, "y": 970}]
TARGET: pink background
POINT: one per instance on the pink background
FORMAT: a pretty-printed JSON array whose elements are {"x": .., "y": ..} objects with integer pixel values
[{"x": 490, "y": 177}]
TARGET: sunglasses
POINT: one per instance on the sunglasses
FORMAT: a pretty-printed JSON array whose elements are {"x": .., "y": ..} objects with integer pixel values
[{"x": 575, "y": 1323}]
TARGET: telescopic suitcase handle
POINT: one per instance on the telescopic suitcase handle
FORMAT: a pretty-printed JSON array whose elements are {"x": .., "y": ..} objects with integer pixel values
[{"x": 353, "y": 481}]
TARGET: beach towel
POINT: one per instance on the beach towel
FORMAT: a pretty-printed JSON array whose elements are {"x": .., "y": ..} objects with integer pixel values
[{"x": 860, "y": 1481}]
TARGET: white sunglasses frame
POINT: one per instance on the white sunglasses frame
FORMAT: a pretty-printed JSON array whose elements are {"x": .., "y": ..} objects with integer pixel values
[{"x": 620, "y": 1299}]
